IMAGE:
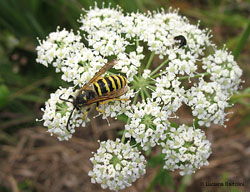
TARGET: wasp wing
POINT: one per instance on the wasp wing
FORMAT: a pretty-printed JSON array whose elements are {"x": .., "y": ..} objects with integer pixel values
[
  {"x": 111, "y": 95},
  {"x": 106, "y": 67}
]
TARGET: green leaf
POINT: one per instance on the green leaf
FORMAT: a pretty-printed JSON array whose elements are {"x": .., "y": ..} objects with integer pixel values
[
  {"x": 123, "y": 118},
  {"x": 157, "y": 160},
  {"x": 173, "y": 124},
  {"x": 35, "y": 24},
  {"x": 4, "y": 95},
  {"x": 241, "y": 97},
  {"x": 147, "y": 153},
  {"x": 186, "y": 180},
  {"x": 167, "y": 179},
  {"x": 243, "y": 41},
  {"x": 4, "y": 189},
  {"x": 162, "y": 177},
  {"x": 224, "y": 177},
  {"x": 234, "y": 189}
]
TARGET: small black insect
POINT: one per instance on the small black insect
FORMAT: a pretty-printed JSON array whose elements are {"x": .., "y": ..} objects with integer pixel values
[{"x": 182, "y": 40}]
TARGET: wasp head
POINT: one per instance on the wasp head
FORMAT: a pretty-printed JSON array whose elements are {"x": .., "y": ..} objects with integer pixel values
[{"x": 82, "y": 98}]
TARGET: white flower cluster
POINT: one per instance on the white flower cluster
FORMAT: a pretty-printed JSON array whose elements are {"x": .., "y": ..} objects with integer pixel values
[
  {"x": 223, "y": 70},
  {"x": 183, "y": 63},
  {"x": 169, "y": 93},
  {"x": 107, "y": 19},
  {"x": 56, "y": 114},
  {"x": 208, "y": 103},
  {"x": 105, "y": 34},
  {"x": 58, "y": 46},
  {"x": 157, "y": 29},
  {"x": 192, "y": 73},
  {"x": 116, "y": 165},
  {"x": 148, "y": 124},
  {"x": 186, "y": 149},
  {"x": 65, "y": 51}
]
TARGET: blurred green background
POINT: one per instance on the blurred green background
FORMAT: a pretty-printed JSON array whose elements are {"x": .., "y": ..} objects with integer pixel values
[{"x": 26, "y": 85}]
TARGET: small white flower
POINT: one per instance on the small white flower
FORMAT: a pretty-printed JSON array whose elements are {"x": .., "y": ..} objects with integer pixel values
[{"x": 146, "y": 73}]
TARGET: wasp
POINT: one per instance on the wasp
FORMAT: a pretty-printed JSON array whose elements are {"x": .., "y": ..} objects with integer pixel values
[{"x": 99, "y": 90}]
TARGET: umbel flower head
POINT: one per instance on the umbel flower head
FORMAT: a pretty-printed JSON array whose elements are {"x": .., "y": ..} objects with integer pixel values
[
  {"x": 57, "y": 112},
  {"x": 186, "y": 149},
  {"x": 116, "y": 165},
  {"x": 195, "y": 73}
]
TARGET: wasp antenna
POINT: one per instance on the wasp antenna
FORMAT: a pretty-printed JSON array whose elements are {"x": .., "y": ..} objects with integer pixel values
[
  {"x": 65, "y": 100},
  {"x": 67, "y": 127},
  {"x": 182, "y": 40}
]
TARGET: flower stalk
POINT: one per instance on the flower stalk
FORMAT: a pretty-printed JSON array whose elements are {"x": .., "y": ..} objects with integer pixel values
[{"x": 158, "y": 68}]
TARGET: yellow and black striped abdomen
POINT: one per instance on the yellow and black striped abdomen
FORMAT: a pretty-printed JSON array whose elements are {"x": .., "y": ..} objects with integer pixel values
[{"x": 108, "y": 84}]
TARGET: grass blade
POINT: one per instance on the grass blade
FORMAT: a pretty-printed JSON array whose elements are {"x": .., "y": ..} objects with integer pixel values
[{"x": 242, "y": 42}]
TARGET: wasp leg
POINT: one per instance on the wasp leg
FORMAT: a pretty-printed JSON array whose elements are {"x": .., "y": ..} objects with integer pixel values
[
  {"x": 85, "y": 113},
  {"x": 99, "y": 110}
]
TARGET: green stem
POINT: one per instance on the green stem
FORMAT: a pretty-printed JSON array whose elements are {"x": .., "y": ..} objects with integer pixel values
[
  {"x": 136, "y": 98},
  {"x": 151, "y": 82},
  {"x": 150, "y": 60},
  {"x": 137, "y": 43},
  {"x": 136, "y": 78},
  {"x": 238, "y": 96},
  {"x": 142, "y": 95},
  {"x": 123, "y": 134},
  {"x": 185, "y": 181},
  {"x": 157, "y": 75},
  {"x": 159, "y": 67},
  {"x": 146, "y": 92},
  {"x": 152, "y": 87},
  {"x": 242, "y": 41}
]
